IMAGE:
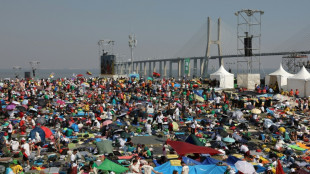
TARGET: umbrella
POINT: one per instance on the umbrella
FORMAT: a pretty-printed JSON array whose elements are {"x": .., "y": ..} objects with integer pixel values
[
  {"x": 222, "y": 132},
  {"x": 267, "y": 123},
  {"x": 10, "y": 107},
  {"x": 33, "y": 109},
  {"x": 86, "y": 85},
  {"x": 15, "y": 102},
  {"x": 60, "y": 102},
  {"x": 79, "y": 75},
  {"x": 245, "y": 167},
  {"x": 179, "y": 105},
  {"x": 40, "y": 120},
  {"x": 149, "y": 78},
  {"x": 256, "y": 111},
  {"x": 21, "y": 108},
  {"x": 249, "y": 107},
  {"x": 237, "y": 114},
  {"x": 229, "y": 140},
  {"x": 107, "y": 122},
  {"x": 41, "y": 102}
]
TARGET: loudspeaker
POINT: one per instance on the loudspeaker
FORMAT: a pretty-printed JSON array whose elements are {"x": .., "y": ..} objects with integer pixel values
[
  {"x": 248, "y": 46},
  {"x": 27, "y": 75}
]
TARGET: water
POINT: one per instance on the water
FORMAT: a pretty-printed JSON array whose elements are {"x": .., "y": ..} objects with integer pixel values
[{"x": 60, "y": 73}]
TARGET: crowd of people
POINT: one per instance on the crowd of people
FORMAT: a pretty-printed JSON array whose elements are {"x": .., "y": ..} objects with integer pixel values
[{"x": 45, "y": 121}]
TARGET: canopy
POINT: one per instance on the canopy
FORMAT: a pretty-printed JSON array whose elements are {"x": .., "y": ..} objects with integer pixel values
[
  {"x": 104, "y": 146},
  {"x": 192, "y": 139},
  {"x": 280, "y": 76},
  {"x": 298, "y": 81},
  {"x": 225, "y": 78},
  {"x": 47, "y": 131},
  {"x": 183, "y": 148},
  {"x": 108, "y": 165}
]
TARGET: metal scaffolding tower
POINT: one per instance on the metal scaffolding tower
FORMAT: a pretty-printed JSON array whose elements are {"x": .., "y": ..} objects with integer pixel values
[
  {"x": 293, "y": 62},
  {"x": 248, "y": 40}
]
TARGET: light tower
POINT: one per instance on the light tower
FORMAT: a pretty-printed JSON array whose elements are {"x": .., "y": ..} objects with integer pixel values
[
  {"x": 34, "y": 66},
  {"x": 132, "y": 44},
  {"x": 249, "y": 38},
  {"x": 17, "y": 71}
]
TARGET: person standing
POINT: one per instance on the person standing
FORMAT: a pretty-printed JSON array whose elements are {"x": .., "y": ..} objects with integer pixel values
[
  {"x": 25, "y": 148},
  {"x": 159, "y": 120},
  {"x": 193, "y": 126},
  {"x": 148, "y": 169},
  {"x": 185, "y": 168}
]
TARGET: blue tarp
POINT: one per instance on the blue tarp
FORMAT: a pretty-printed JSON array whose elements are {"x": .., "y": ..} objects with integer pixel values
[
  {"x": 41, "y": 132},
  {"x": 177, "y": 85},
  {"x": 232, "y": 160},
  {"x": 260, "y": 169},
  {"x": 265, "y": 95},
  {"x": 75, "y": 127},
  {"x": 210, "y": 160},
  {"x": 190, "y": 161},
  {"x": 197, "y": 169}
]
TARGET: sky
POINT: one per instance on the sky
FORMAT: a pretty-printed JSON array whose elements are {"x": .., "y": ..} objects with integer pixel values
[{"x": 63, "y": 34}]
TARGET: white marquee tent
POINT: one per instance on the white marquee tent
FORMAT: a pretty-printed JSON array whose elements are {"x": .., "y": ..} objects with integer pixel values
[
  {"x": 279, "y": 76},
  {"x": 225, "y": 78},
  {"x": 298, "y": 81}
]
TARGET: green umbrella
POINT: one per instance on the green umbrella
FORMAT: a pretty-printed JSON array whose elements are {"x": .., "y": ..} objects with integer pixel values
[
  {"x": 149, "y": 78},
  {"x": 108, "y": 165}
]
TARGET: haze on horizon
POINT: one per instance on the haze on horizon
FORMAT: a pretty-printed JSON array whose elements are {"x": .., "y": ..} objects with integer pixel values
[{"x": 64, "y": 34}]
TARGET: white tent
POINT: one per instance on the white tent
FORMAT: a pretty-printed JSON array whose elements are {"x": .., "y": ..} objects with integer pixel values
[
  {"x": 279, "y": 76},
  {"x": 225, "y": 78},
  {"x": 298, "y": 81}
]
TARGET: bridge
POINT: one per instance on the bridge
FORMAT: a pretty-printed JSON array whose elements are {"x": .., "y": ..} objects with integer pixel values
[{"x": 197, "y": 64}]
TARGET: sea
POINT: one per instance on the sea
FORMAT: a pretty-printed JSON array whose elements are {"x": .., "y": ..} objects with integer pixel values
[{"x": 69, "y": 73}]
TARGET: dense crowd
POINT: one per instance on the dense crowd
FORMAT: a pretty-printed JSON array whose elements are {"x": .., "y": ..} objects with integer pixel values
[{"x": 45, "y": 121}]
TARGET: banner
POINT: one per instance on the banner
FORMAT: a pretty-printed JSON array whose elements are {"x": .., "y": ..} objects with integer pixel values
[{"x": 186, "y": 63}]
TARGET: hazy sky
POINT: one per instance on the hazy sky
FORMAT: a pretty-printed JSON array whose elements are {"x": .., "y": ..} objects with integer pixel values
[{"x": 64, "y": 33}]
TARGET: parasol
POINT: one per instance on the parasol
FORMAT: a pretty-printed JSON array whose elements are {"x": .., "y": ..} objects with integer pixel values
[{"x": 245, "y": 167}]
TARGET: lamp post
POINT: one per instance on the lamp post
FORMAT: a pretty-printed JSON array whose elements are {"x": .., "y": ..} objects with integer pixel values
[
  {"x": 34, "y": 67},
  {"x": 16, "y": 71},
  {"x": 132, "y": 44}
]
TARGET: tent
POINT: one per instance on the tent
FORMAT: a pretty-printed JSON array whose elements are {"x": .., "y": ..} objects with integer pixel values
[
  {"x": 41, "y": 132},
  {"x": 298, "y": 81},
  {"x": 108, "y": 165},
  {"x": 183, "y": 148},
  {"x": 225, "y": 78},
  {"x": 104, "y": 146},
  {"x": 192, "y": 139},
  {"x": 47, "y": 131},
  {"x": 280, "y": 76}
]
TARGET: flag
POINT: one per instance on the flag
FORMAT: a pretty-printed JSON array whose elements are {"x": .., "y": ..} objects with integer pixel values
[
  {"x": 198, "y": 95},
  {"x": 279, "y": 169}
]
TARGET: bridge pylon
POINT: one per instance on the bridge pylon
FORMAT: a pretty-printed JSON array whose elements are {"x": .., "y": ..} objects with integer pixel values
[{"x": 205, "y": 63}]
